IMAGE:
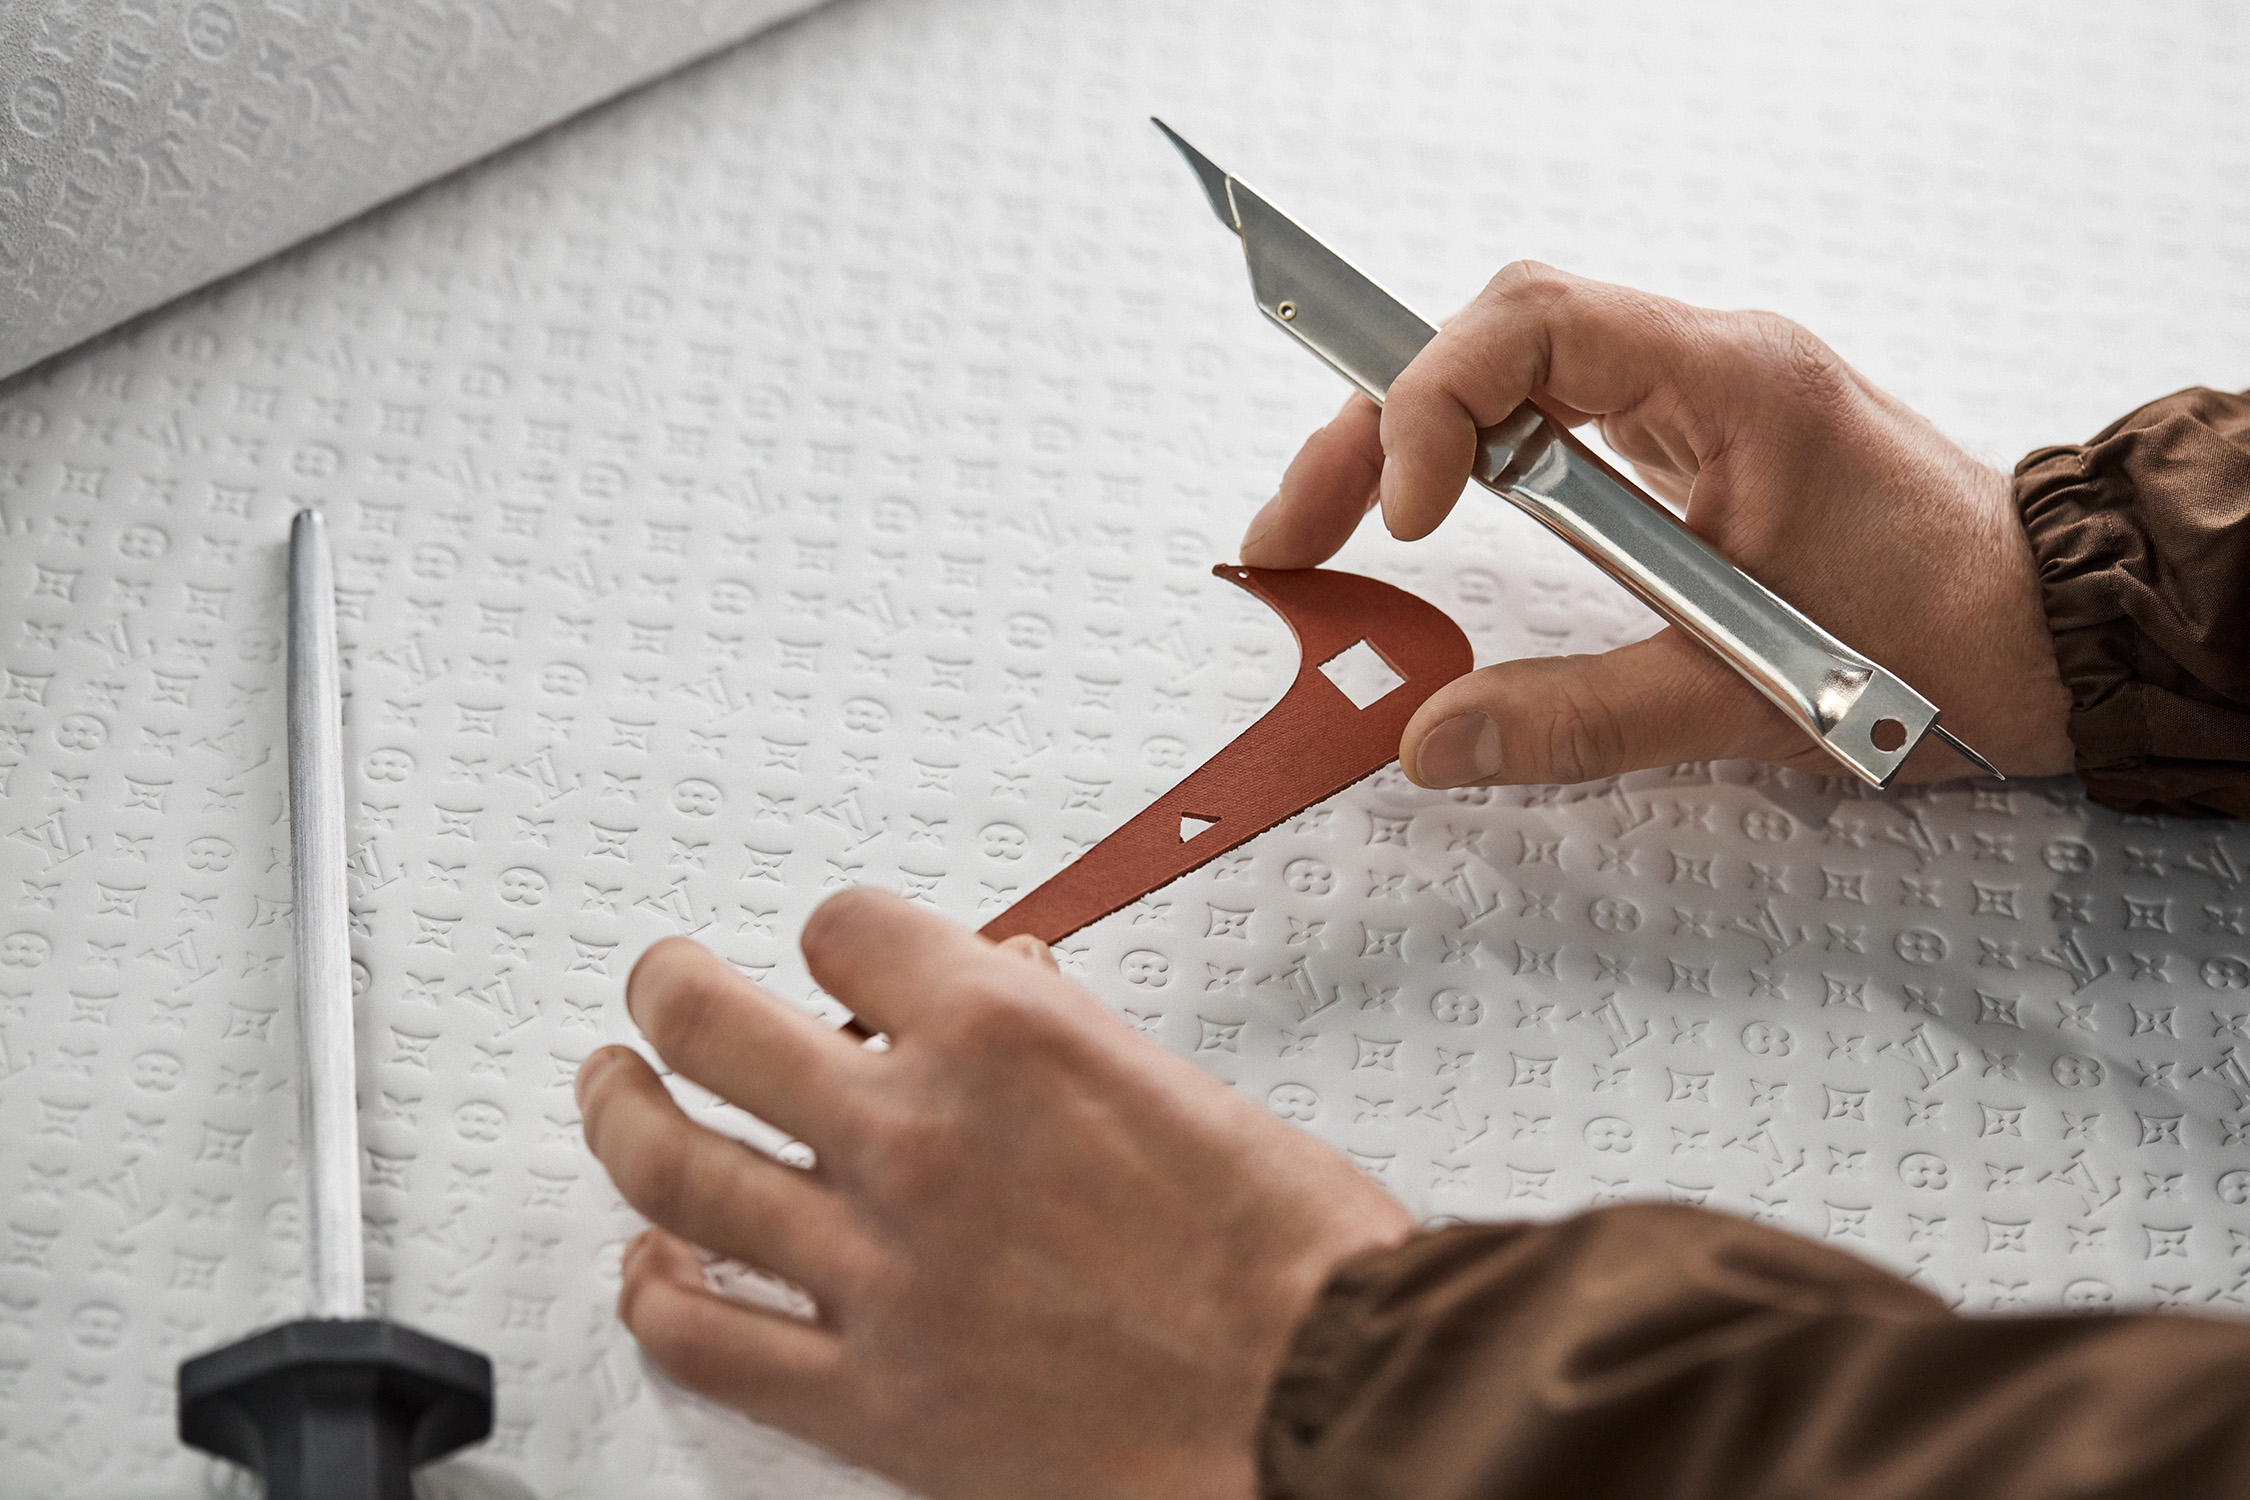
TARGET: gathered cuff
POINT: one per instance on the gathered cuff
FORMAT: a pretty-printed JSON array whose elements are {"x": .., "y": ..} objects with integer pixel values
[
  {"x": 2143, "y": 542},
  {"x": 1660, "y": 1352},
  {"x": 1498, "y": 1360}
]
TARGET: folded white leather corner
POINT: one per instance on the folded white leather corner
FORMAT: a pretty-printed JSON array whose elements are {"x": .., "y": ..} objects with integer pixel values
[{"x": 148, "y": 147}]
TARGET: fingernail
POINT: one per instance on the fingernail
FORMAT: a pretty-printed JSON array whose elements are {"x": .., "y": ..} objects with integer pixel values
[
  {"x": 1463, "y": 749},
  {"x": 596, "y": 1064},
  {"x": 1383, "y": 484},
  {"x": 1261, "y": 523}
]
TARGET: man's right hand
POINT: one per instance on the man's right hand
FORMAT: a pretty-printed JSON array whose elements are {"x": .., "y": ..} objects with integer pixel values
[{"x": 1788, "y": 461}]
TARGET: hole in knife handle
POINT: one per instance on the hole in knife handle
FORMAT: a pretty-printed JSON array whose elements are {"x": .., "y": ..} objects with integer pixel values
[
  {"x": 1286, "y": 311},
  {"x": 1887, "y": 734}
]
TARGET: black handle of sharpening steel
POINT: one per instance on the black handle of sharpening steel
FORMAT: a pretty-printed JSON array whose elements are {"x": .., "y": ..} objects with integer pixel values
[{"x": 336, "y": 1408}]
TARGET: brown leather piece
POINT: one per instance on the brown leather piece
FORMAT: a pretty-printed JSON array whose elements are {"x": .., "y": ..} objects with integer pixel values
[
  {"x": 1649, "y": 1352},
  {"x": 1305, "y": 749},
  {"x": 2143, "y": 542}
]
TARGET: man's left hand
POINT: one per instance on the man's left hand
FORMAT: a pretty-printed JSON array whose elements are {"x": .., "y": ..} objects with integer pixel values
[{"x": 1048, "y": 1256}]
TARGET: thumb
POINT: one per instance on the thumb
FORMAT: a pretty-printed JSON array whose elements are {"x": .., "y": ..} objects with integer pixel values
[{"x": 1541, "y": 720}]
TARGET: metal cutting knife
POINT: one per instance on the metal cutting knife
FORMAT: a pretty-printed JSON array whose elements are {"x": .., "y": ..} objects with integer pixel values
[{"x": 1858, "y": 711}]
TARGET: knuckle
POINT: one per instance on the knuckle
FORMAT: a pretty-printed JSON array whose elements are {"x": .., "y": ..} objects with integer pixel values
[
  {"x": 1024, "y": 945},
  {"x": 829, "y": 929},
  {"x": 656, "y": 1177},
  {"x": 594, "y": 1111},
  {"x": 632, "y": 1299},
  {"x": 1527, "y": 278},
  {"x": 908, "y": 1160},
  {"x": 661, "y": 965},
  {"x": 678, "y": 1014},
  {"x": 988, "y": 1029},
  {"x": 1585, "y": 738},
  {"x": 899, "y": 1135},
  {"x": 998, "y": 1016},
  {"x": 1410, "y": 388},
  {"x": 641, "y": 1307},
  {"x": 1795, "y": 354},
  {"x": 1533, "y": 292}
]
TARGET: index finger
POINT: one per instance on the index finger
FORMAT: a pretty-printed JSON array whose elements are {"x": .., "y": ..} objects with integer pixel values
[
  {"x": 1585, "y": 347},
  {"x": 718, "y": 1029},
  {"x": 883, "y": 956},
  {"x": 1325, "y": 492}
]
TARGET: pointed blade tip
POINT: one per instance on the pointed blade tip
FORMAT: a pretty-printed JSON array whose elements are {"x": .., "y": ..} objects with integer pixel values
[
  {"x": 1206, "y": 171},
  {"x": 1962, "y": 748}
]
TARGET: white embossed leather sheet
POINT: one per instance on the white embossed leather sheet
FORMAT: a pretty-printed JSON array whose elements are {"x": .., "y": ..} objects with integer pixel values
[
  {"x": 807, "y": 472},
  {"x": 148, "y": 146}
]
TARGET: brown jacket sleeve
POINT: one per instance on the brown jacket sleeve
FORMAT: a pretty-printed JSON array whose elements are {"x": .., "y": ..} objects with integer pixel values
[
  {"x": 1659, "y": 1353},
  {"x": 2143, "y": 542}
]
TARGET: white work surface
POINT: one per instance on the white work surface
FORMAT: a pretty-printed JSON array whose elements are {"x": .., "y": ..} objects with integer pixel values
[
  {"x": 148, "y": 146},
  {"x": 807, "y": 472}
]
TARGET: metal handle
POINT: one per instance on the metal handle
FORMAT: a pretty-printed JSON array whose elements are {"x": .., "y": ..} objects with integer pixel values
[
  {"x": 1862, "y": 714},
  {"x": 1832, "y": 692}
]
